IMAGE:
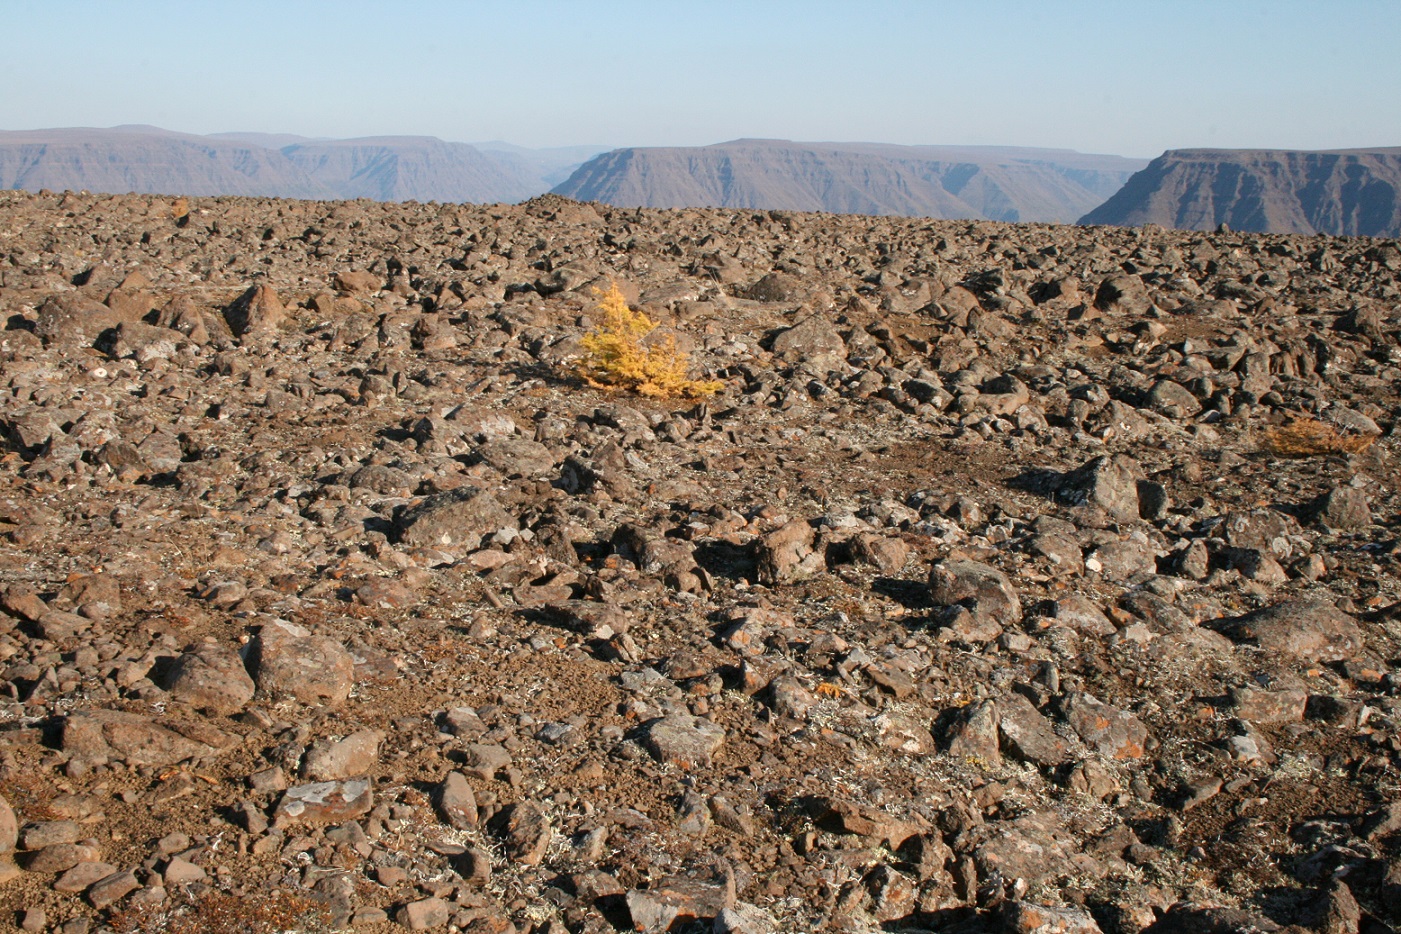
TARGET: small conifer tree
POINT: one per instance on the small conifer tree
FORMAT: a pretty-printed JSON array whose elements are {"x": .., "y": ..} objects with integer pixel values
[{"x": 615, "y": 357}]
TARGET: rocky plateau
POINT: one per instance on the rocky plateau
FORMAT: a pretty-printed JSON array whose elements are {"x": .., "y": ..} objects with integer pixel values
[{"x": 1020, "y": 578}]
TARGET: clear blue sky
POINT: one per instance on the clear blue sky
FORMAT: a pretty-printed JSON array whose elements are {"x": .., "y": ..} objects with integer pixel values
[{"x": 1132, "y": 77}]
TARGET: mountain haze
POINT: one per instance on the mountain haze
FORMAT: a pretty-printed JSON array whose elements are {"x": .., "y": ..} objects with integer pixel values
[
  {"x": 997, "y": 183},
  {"x": 410, "y": 168},
  {"x": 554, "y": 164},
  {"x": 1341, "y": 192}
]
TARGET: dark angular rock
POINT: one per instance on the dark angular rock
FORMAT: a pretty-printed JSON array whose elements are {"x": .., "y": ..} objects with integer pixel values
[
  {"x": 288, "y": 659},
  {"x": 1111, "y": 483},
  {"x": 1343, "y": 509},
  {"x": 211, "y": 677},
  {"x": 455, "y": 521},
  {"x": 1105, "y": 728},
  {"x": 983, "y": 589},
  {"x": 1027, "y": 735}
]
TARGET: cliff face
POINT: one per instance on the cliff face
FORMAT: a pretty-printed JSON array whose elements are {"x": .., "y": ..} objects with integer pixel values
[
  {"x": 1347, "y": 192},
  {"x": 994, "y": 183}
]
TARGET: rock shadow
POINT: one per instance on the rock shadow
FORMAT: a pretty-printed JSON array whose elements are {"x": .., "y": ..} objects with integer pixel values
[
  {"x": 727, "y": 560},
  {"x": 1041, "y": 481},
  {"x": 912, "y": 595}
]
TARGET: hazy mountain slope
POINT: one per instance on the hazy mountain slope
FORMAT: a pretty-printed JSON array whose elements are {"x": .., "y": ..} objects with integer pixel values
[
  {"x": 410, "y": 168},
  {"x": 1345, "y": 192},
  {"x": 855, "y": 178},
  {"x": 150, "y": 161}
]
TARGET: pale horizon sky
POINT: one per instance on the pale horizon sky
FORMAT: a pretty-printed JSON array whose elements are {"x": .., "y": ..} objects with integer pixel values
[{"x": 1124, "y": 77}]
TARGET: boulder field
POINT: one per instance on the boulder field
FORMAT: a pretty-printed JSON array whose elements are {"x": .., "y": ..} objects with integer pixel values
[{"x": 1020, "y": 578}]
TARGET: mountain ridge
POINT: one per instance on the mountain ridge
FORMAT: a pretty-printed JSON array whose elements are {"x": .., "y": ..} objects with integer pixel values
[{"x": 151, "y": 160}]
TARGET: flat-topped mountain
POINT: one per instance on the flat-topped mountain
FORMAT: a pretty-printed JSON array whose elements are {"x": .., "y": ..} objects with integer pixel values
[
  {"x": 1343, "y": 192},
  {"x": 998, "y": 183},
  {"x": 150, "y": 160}
]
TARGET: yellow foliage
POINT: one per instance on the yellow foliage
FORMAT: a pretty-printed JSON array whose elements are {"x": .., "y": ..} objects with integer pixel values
[
  {"x": 1308, "y": 437},
  {"x": 614, "y": 356}
]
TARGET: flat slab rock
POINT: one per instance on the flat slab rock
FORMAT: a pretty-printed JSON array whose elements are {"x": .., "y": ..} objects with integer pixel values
[
  {"x": 684, "y": 740},
  {"x": 1309, "y": 629},
  {"x": 100, "y": 736},
  {"x": 324, "y": 802}
]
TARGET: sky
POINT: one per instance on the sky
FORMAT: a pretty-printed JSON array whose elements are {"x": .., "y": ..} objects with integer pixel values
[{"x": 1128, "y": 77}]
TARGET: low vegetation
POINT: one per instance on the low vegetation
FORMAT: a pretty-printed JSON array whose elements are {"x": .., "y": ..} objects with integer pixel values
[{"x": 221, "y": 913}]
